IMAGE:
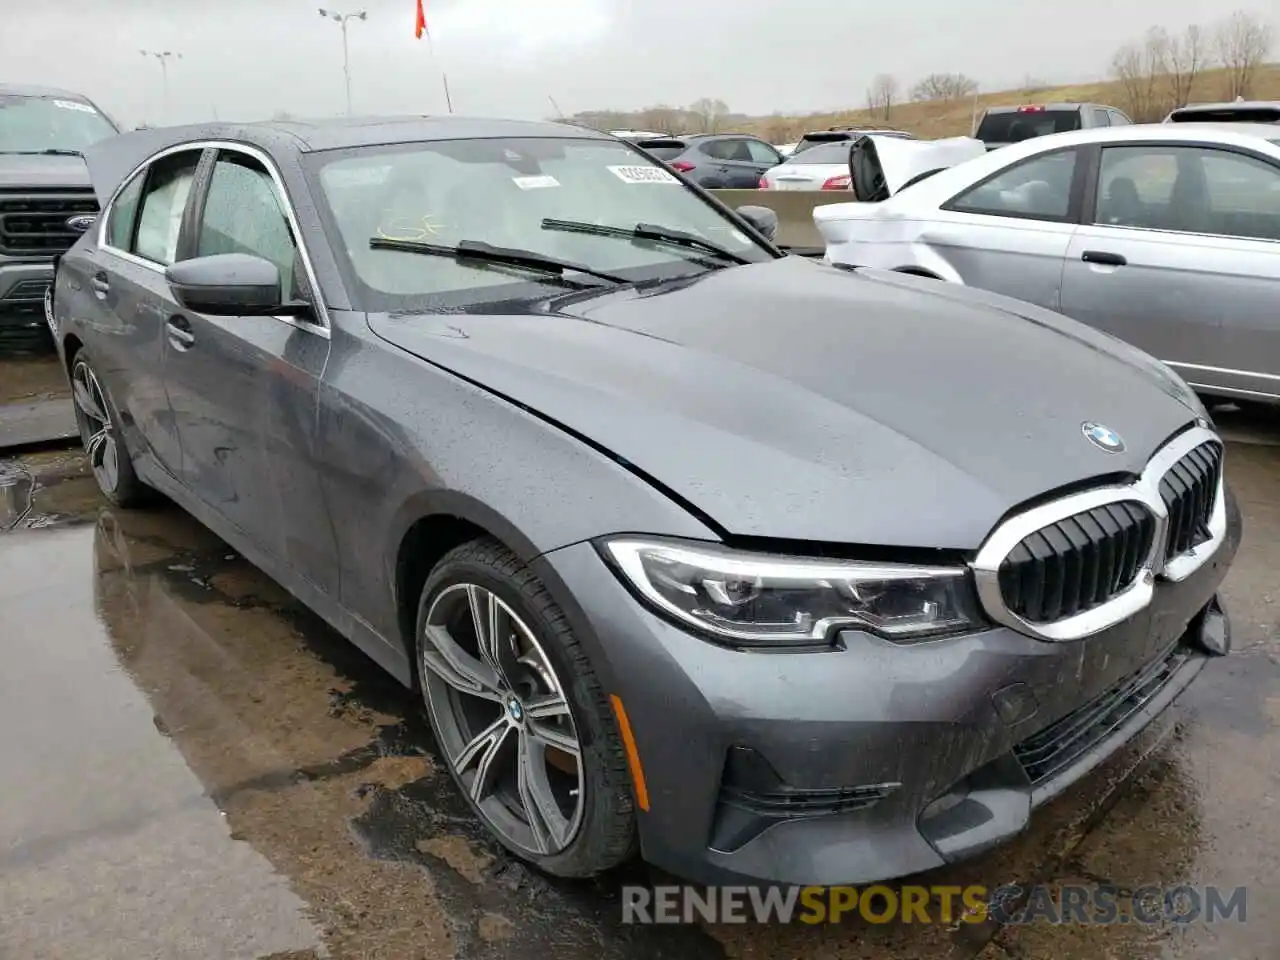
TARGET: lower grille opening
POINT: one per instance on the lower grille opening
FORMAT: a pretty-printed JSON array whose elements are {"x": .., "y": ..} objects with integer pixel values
[
  {"x": 1078, "y": 563},
  {"x": 1053, "y": 749},
  {"x": 753, "y": 797}
]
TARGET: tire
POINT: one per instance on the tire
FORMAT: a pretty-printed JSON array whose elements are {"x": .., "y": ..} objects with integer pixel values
[
  {"x": 540, "y": 660},
  {"x": 104, "y": 445}
]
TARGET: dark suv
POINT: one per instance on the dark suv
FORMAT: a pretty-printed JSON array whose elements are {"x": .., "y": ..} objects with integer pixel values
[
  {"x": 1001, "y": 126},
  {"x": 716, "y": 160},
  {"x": 46, "y": 200}
]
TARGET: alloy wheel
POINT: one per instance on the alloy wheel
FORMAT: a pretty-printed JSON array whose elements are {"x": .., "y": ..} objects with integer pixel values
[
  {"x": 503, "y": 719},
  {"x": 97, "y": 432}
]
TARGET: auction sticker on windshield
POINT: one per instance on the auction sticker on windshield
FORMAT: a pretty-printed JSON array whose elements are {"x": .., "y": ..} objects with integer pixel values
[
  {"x": 73, "y": 105},
  {"x": 641, "y": 174},
  {"x": 535, "y": 183}
]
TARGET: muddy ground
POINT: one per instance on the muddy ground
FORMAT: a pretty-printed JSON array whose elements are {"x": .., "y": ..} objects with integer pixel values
[{"x": 194, "y": 766}]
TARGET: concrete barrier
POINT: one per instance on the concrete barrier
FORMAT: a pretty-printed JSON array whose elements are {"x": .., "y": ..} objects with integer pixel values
[{"x": 793, "y": 207}]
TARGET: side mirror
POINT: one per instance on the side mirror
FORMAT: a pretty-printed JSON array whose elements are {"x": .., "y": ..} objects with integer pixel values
[
  {"x": 762, "y": 218},
  {"x": 228, "y": 285}
]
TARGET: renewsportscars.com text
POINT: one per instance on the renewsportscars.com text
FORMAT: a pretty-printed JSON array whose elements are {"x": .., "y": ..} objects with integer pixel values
[{"x": 1063, "y": 903}]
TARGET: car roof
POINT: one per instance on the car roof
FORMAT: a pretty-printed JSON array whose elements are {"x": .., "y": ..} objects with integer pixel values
[
  {"x": 1227, "y": 105},
  {"x": 110, "y": 161},
  {"x": 31, "y": 90}
]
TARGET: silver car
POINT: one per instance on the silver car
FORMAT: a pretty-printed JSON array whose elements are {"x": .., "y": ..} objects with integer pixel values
[{"x": 1165, "y": 235}]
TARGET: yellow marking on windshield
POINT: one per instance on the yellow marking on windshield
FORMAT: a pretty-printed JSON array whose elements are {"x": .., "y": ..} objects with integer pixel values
[{"x": 412, "y": 230}]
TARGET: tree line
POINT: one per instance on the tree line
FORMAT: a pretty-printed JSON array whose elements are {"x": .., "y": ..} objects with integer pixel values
[{"x": 1155, "y": 73}]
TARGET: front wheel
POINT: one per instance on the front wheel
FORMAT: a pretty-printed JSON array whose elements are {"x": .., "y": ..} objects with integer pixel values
[{"x": 520, "y": 718}]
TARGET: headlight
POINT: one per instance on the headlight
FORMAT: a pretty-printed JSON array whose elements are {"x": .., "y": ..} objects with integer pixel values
[{"x": 758, "y": 600}]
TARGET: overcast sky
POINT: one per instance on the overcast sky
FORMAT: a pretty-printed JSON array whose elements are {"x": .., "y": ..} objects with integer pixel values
[{"x": 246, "y": 59}]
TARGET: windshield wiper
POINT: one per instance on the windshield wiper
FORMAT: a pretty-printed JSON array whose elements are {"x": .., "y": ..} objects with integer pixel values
[
  {"x": 485, "y": 253},
  {"x": 51, "y": 152},
  {"x": 647, "y": 232}
]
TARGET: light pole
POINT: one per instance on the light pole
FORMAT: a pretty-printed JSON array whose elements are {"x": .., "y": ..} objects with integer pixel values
[
  {"x": 341, "y": 20},
  {"x": 164, "y": 57}
]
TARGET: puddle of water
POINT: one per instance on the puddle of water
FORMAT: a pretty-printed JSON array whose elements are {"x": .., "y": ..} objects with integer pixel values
[{"x": 15, "y": 495}]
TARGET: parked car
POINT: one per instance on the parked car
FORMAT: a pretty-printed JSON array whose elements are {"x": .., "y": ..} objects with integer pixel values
[
  {"x": 511, "y": 407},
  {"x": 1166, "y": 236},
  {"x": 1239, "y": 111},
  {"x": 46, "y": 200},
  {"x": 844, "y": 135},
  {"x": 1001, "y": 126},
  {"x": 825, "y": 166},
  {"x": 716, "y": 161},
  {"x": 835, "y": 171}
]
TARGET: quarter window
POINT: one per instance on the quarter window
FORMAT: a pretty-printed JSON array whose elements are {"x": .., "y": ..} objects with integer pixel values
[
  {"x": 1034, "y": 189},
  {"x": 124, "y": 213},
  {"x": 243, "y": 213},
  {"x": 163, "y": 202},
  {"x": 1189, "y": 190}
]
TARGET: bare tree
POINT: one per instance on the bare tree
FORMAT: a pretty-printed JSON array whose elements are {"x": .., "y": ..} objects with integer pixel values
[
  {"x": 710, "y": 113},
  {"x": 882, "y": 95},
  {"x": 1241, "y": 43},
  {"x": 662, "y": 119},
  {"x": 1137, "y": 67},
  {"x": 1182, "y": 59},
  {"x": 944, "y": 86}
]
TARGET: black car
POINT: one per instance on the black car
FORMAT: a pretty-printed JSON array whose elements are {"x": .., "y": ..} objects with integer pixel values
[{"x": 717, "y": 161}]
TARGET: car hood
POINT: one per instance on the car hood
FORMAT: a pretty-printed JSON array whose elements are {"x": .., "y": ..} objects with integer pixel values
[
  {"x": 794, "y": 400},
  {"x": 21, "y": 170}
]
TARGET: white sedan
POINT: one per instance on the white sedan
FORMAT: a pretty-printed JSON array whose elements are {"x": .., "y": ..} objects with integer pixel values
[{"x": 1164, "y": 235}]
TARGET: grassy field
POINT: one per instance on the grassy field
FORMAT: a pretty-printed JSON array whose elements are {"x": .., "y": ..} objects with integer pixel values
[{"x": 936, "y": 118}]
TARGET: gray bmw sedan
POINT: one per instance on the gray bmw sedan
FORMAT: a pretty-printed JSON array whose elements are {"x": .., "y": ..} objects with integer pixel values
[{"x": 769, "y": 570}]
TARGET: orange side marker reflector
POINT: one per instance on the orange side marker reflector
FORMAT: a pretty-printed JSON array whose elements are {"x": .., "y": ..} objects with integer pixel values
[{"x": 633, "y": 755}]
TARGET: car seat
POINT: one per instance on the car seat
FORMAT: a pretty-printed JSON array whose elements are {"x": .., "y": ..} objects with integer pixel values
[{"x": 1121, "y": 204}]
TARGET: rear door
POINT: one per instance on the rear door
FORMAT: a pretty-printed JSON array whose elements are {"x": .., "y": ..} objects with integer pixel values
[
  {"x": 1181, "y": 257},
  {"x": 738, "y": 170},
  {"x": 245, "y": 389},
  {"x": 129, "y": 300},
  {"x": 1009, "y": 233}
]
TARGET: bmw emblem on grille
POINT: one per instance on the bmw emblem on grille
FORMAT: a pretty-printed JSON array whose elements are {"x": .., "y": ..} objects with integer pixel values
[
  {"x": 81, "y": 222},
  {"x": 1102, "y": 437}
]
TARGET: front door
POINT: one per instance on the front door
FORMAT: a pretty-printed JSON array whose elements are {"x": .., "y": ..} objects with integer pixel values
[
  {"x": 244, "y": 389},
  {"x": 1181, "y": 257}
]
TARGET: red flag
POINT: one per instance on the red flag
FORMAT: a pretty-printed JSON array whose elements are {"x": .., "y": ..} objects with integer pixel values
[{"x": 420, "y": 26}]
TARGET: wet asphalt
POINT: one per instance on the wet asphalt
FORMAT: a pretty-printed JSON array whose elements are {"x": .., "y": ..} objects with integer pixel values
[{"x": 193, "y": 766}]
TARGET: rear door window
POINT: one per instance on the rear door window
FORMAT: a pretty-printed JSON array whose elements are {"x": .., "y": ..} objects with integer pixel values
[
  {"x": 1015, "y": 126},
  {"x": 1038, "y": 188}
]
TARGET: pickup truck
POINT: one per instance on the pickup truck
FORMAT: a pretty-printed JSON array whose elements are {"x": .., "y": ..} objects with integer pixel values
[
  {"x": 1001, "y": 126},
  {"x": 46, "y": 199}
]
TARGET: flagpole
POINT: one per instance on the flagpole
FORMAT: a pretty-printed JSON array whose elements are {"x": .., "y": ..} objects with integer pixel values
[{"x": 444, "y": 77}]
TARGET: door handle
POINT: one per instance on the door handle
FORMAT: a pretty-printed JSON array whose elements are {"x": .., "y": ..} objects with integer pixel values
[
  {"x": 101, "y": 286},
  {"x": 1103, "y": 258},
  {"x": 180, "y": 335}
]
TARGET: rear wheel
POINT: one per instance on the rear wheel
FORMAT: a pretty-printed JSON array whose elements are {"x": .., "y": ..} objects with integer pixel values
[
  {"x": 104, "y": 446},
  {"x": 519, "y": 716}
]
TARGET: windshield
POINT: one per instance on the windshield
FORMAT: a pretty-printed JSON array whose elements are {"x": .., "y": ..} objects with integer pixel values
[
  {"x": 33, "y": 124},
  {"x": 503, "y": 192},
  {"x": 1016, "y": 126},
  {"x": 837, "y": 152}
]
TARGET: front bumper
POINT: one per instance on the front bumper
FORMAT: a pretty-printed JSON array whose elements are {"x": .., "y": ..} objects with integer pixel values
[
  {"x": 22, "y": 289},
  {"x": 879, "y": 760}
]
